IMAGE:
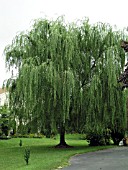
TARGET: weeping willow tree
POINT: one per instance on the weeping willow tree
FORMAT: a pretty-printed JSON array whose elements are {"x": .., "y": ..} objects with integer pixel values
[
  {"x": 106, "y": 99},
  {"x": 45, "y": 85},
  {"x": 67, "y": 76},
  {"x": 103, "y": 103}
]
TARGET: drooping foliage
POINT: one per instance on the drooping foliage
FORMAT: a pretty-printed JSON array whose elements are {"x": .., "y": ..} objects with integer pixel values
[
  {"x": 4, "y": 122},
  {"x": 67, "y": 77}
]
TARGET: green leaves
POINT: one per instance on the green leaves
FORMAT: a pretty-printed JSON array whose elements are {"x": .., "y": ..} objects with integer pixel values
[
  {"x": 66, "y": 70},
  {"x": 27, "y": 155}
]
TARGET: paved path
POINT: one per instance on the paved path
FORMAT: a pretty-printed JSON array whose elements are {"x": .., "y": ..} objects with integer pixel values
[{"x": 109, "y": 159}]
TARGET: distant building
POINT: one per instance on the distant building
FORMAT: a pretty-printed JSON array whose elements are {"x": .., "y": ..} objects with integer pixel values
[{"x": 3, "y": 97}]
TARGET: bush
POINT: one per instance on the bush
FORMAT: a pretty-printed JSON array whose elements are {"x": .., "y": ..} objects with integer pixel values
[
  {"x": 117, "y": 136},
  {"x": 28, "y": 136},
  {"x": 96, "y": 140},
  {"x": 99, "y": 137},
  {"x": 20, "y": 143},
  {"x": 27, "y": 155},
  {"x": 4, "y": 137}
]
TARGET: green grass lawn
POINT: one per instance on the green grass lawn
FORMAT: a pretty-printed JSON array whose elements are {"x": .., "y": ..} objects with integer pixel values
[{"x": 43, "y": 154}]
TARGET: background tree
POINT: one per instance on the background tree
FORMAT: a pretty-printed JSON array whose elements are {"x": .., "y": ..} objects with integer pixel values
[
  {"x": 4, "y": 121},
  {"x": 103, "y": 104}
]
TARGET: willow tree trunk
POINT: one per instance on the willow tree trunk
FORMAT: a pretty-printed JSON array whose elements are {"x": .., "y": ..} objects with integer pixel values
[
  {"x": 62, "y": 143},
  {"x": 62, "y": 136}
]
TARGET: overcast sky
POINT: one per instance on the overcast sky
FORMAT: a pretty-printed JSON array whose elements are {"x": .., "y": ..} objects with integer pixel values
[{"x": 16, "y": 16}]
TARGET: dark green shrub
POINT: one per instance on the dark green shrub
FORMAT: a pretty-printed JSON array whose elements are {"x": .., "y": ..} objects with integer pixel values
[
  {"x": 98, "y": 137},
  {"x": 4, "y": 137},
  {"x": 20, "y": 143},
  {"x": 27, "y": 155},
  {"x": 117, "y": 136}
]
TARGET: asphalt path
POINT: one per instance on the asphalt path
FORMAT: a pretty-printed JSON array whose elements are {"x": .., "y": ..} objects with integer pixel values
[{"x": 108, "y": 159}]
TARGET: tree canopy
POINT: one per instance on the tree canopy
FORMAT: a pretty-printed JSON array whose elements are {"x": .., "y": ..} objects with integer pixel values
[{"x": 67, "y": 76}]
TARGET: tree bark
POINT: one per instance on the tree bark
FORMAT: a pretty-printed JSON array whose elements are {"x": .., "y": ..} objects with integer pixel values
[
  {"x": 62, "y": 143},
  {"x": 62, "y": 136}
]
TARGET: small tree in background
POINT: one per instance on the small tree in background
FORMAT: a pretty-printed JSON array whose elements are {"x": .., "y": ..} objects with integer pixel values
[{"x": 4, "y": 120}]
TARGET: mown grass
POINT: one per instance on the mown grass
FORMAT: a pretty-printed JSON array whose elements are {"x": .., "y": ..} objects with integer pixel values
[{"x": 43, "y": 154}]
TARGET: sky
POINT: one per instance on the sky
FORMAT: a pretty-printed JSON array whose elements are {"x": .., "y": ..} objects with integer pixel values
[{"x": 17, "y": 16}]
